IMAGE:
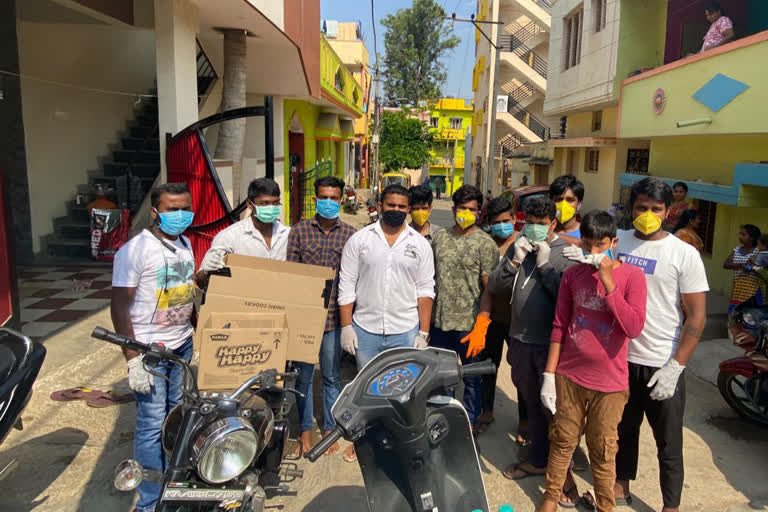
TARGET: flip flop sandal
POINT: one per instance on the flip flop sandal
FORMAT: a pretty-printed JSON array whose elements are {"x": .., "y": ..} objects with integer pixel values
[
  {"x": 110, "y": 398},
  {"x": 566, "y": 504},
  {"x": 517, "y": 467},
  {"x": 349, "y": 457},
  {"x": 72, "y": 394},
  {"x": 624, "y": 502},
  {"x": 587, "y": 501}
]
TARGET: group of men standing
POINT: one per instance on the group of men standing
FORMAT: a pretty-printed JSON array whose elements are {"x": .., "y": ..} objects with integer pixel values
[{"x": 567, "y": 308}]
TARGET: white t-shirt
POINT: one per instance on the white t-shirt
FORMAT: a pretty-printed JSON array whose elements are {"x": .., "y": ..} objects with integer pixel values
[
  {"x": 671, "y": 267},
  {"x": 164, "y": 286}
]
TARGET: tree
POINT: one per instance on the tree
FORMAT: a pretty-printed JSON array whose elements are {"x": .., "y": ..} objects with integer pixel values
[
  {"x": 405, "y": 141},
  {"x": 415, "y": 40}
]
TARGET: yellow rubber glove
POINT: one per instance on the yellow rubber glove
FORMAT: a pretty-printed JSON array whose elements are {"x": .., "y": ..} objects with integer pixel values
[{"x": 476, "y": 338}]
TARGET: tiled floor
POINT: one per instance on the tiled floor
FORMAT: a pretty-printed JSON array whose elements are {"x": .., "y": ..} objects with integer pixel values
[{"x": 52, "y": 297}]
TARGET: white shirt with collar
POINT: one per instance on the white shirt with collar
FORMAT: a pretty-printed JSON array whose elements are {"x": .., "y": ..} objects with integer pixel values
[
  {"x": 386, "y": 282},
  {"x": 243, "y": 238}
]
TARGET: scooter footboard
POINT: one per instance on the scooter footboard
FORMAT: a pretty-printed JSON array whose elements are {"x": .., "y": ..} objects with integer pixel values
[{"x": 435, "y": 469}]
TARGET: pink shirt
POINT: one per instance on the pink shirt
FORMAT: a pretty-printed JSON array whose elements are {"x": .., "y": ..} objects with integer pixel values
[
  {"x": 595, "y": 328},
  {"x": 714, "y": 35}
]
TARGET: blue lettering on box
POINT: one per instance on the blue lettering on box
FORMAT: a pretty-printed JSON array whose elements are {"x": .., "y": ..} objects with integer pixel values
[{"x": 648, "y": 266}]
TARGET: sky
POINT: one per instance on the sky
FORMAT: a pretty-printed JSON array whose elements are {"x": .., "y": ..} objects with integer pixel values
[{"x": 458, "y": 61}]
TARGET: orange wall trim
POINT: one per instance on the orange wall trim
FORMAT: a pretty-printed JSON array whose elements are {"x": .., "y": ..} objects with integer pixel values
[{"x": 339, "y": 104}]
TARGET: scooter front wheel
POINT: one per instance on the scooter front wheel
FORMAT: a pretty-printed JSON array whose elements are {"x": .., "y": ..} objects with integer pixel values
[{"x": 738, "y": 390}]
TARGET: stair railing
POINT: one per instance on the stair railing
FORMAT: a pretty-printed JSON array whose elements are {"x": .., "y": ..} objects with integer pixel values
[
  {"x": 509, "y": 42},
  {"x": 529, "y": 120}
]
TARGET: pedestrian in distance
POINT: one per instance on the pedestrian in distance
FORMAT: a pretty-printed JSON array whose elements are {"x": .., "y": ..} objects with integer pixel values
[
  {"x": 260, "y": 234},
  {"x": 464, "y": 258},
  {"x": 153, "y": 291},
  {"x": 438, "y": 186},
  {"x": 678, "y": 207},
  {"x": 420, "y": 209},
  {"x": 600, "y": 306},
  {"x": 531, "y": 271},
  {"x": 386, "y": 285},
  {"x": 320, "y": 241},
  {"x": 744, "y": 285},
  {"x": 674, "y": 273}
]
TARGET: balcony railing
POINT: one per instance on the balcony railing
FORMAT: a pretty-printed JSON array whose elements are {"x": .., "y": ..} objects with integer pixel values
[
  {"x": 526, "y": 90},
  {"x": 524, "y": 33},
  {"x": 529, "y": 120},
  {"x": 206, "y": 75},
  {"x": 511, "y": 43},
  {"x": 544, "y": 4}
]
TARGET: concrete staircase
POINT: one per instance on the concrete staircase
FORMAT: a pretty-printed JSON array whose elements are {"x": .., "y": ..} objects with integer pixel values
[{"x": 139, "y": 151}]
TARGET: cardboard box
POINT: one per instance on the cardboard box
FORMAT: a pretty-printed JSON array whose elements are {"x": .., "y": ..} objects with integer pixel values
[
  {"x": 234, "y": 347},
  {"x": 256, "y": 285}
]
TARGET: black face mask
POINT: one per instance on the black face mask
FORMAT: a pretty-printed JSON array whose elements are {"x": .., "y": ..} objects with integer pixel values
[{"x": 393, "y": 218}]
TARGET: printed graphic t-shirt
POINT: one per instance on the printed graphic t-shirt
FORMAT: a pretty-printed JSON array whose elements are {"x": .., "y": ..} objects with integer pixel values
[
  {"x": 164, "y": 284},
  {"x": 671, "y": 267}
]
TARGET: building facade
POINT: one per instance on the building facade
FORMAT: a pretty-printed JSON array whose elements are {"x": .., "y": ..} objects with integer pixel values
[{"x": 449, "y": 121}]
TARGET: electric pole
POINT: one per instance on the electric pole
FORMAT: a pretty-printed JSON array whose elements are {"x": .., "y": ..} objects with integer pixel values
[{"x": 376, "y": 111}]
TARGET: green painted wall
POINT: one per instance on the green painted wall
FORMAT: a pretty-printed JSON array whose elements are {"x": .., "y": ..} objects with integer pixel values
[
  {"x": 642, "y": 38},
  {"x": 307, "y": 114}
]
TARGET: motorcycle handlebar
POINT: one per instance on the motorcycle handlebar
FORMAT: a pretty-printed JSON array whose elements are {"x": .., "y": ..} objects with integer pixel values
[
  {"x": 101, "y": 333},
  {"x": 482, "y": 368},
  {"x": 323, "y": 445}
]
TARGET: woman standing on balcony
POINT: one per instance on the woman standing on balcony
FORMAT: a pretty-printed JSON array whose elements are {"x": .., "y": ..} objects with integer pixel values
[{"x": 721, "y": 28}]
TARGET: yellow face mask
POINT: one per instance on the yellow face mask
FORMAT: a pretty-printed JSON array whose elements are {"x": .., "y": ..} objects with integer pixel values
[
  {"x": 565, "y": 211},
  {"x": 465, "y": 219},
  {"x": 420, "y": 217},
  {"x": 647, "y": 223}
]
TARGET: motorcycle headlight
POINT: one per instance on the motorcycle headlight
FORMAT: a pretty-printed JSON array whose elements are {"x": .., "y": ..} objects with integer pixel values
[{"x": 225, "y": 449}]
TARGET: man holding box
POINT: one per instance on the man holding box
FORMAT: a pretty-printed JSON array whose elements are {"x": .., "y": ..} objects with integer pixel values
[{"x": 319, "y": 241}]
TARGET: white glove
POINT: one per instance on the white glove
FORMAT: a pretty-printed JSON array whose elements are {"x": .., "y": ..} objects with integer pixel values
[
  {"x": 522, "y": 248},
  {"x": 349, "y": 339},
  {"x": 421, "y": 340},
  {"x": 549, "y": 393},
  {"x": 574, "y": 253},
  {"x": 665, "y": 380},
  {"x": 212, "y": 261},
  {"x": 139, "y": 379},
  {"x": 542, "y": 253}
]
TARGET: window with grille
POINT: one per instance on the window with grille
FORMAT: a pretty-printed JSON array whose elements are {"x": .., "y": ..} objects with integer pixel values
[
  {"x": 637, "y": 161},
  {"x": 572, "y": 29},
  {"x": 433, "y": 121},
  {"x": 600, "y": 8},
  {"x": 455, "y": 123},
  {"x": 597, "y": 121},
  {"x": 707, "y": 212},
  {"x": 592, "y": 161}
]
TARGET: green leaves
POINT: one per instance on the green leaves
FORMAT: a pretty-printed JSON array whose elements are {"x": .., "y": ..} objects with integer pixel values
[
  {"x": 405, "y": 141},
  {"x": 415, "y": 40}
]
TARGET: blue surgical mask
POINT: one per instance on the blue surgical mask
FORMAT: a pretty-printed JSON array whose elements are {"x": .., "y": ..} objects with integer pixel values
[
  {"x": 328, "y": 208},
  {"x": 607, "y": 252},
  {"x": 176, "y": 222},
  {"x": 267, "y": 214},
  {"x": 503, "y": 229},
  {"x": 536, "y": 232}
]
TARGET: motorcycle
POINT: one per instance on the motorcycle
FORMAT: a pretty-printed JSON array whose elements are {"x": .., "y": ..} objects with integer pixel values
[
  {"x": 20, "y": 363},
  {"x": 350, "y": 200},
  {"x": 743, "y": 381},
  {"x": 373, "y": 211},
  {"x": 414, "y": 444},
  {"x": 224, "y": 451}
]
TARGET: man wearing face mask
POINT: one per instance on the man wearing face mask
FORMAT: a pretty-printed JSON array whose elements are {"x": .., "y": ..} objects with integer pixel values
[
  {"x": 320, "y": 241},
  {"x": 152, "y": 301},
  {"x": 531, "y": 271},
  {"x": 387, "y": 280},
  {"x": 464, "y": 258},
  {"x": 260, "y": 235},
  {"x": 420, "y": 210},
  {"x": 568, "y": 194},
  {"x": 657, "y": 357}
]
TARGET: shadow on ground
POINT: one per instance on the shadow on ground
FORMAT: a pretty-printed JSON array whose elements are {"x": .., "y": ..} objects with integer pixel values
[{"x": 353, "y": 498}]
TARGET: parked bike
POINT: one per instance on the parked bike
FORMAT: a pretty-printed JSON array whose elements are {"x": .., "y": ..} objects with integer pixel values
[
  {"x": 743, "y": 381},
  {"x": 413, "y": 442},
  {"x": 351, "y": 203},
  {"x": 373, "y": 211},
  {"x": 20, "y": 363},
  {"x": 224, "y": 451}
]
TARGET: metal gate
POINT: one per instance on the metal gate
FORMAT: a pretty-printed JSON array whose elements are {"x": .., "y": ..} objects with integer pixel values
[{"x": 307, "y": 187}]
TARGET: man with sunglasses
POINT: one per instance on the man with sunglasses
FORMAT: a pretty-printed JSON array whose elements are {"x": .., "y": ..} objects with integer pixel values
[{"x": 260, "y": 235}]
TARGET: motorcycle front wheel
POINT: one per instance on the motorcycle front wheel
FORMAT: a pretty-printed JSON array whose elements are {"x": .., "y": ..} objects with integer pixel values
[{"x": 736, "y": 390}]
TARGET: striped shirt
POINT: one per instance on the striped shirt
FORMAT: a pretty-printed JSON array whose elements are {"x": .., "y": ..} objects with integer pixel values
[{"x": 308, "y": 243}]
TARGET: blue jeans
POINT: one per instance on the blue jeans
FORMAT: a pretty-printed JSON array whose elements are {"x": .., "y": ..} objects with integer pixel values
[
  {"x": 473, "y": 386},
  {"x": 151, "y": 410},
  {"x": 369, "y": 345},
  {"x": 330, "y": 361}
]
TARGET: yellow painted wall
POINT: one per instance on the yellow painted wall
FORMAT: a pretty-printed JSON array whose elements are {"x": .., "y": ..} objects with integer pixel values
[
  {"x": 580, "y": 124},
  {"x": 747, "y": 113},
  {"x": 710, "y": 159},
  {"x": 642, "y": 38}
]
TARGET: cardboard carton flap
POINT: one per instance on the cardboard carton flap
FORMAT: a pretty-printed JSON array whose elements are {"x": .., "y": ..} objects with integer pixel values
[
  {"x": 286, "y": 267},
  {"x": 234, "y": 320}
]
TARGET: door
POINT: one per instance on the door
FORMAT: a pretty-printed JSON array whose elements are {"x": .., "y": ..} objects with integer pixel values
[
  {"x": 7, "y": 271},
  {"x": 296, "y": 162}
]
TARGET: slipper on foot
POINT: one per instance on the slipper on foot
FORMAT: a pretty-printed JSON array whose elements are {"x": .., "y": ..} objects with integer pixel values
[{"x": 624, "y": 502}]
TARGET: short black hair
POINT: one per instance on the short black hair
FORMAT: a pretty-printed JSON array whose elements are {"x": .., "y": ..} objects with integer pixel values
[
  {"x": 597, "y": 225},
  {"x": 563, "y": 183},
  {"x": 173, "y": 189},
  {"x": 714, "y": 7},
  {"x": 654, "y": 188},
  {"x": 420, "y": 194},
  {"x": 329, "y": 181},
  {"x": 467, "y": 193},
  {"x": 688, "y": 215},
  {"x": 263, "y": 187},
  {"x": 753, "y": 232},
  {"x": 540, "y": 207},
  {"x": 397, "y": 190},
  {"x": 497, "y": 206},
  {"x": 683, "y": 185},
  {"x": 763, "y": 239}
]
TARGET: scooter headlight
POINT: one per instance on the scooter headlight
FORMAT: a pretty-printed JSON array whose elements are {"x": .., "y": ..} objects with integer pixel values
[
  {"x": 128, "y": 475},
  {"x": 225, "y": 449}
]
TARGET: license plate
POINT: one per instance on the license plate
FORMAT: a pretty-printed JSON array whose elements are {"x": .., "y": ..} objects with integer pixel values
[{"x": 179, "y": 491}]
